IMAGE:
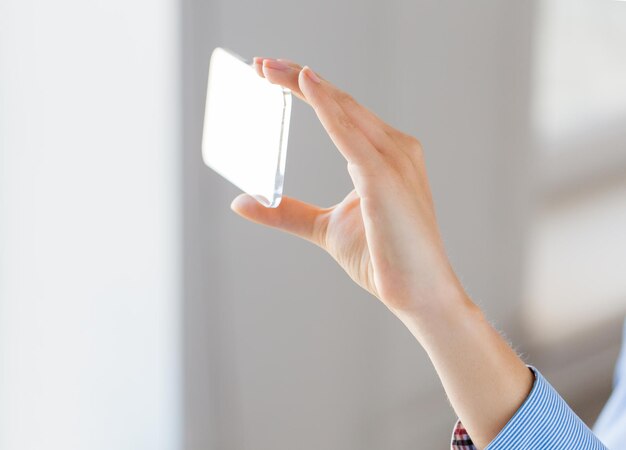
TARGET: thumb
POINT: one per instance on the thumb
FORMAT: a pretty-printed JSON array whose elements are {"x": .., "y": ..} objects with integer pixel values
[{"x": 293, "y": 216}]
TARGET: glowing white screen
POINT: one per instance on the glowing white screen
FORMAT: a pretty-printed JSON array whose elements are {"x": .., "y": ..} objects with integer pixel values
[{"x": 246, "y": 126}]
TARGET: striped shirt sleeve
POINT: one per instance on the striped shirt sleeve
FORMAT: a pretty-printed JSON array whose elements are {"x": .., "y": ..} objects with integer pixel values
[{"x": 544, "y": 421}]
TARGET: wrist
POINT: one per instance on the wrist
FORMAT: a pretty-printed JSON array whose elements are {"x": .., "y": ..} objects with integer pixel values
[{"x": 444, "y": 307}]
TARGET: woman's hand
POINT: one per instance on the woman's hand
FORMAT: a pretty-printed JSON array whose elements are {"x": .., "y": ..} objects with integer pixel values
[{"x": 383, "y": 233}]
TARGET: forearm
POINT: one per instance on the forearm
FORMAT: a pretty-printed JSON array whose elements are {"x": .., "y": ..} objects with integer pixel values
[
  {"x": 385, "y": 236},
  {"x": 486, "y": 382}
]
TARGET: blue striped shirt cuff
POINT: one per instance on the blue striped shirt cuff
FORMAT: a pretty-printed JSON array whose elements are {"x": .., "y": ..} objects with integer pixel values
[{"x": 543, "y": 421}]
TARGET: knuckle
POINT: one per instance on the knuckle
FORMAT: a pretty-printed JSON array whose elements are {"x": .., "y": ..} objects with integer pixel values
[
  {"x": 345, "y": 121},
  {"x": 401, "y": 163},
  {"x": 392, "y": 134},
  {"x": 411, "y": 142},
  {"x": 355, "y": 170},
  {"x": 364, "y": 170},
  {"x": 408, "y": 139},
  {"x": 345, "y": 98}
]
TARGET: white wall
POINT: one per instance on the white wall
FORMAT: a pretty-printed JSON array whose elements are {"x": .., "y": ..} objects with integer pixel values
[{"x": 89, "y": 240}]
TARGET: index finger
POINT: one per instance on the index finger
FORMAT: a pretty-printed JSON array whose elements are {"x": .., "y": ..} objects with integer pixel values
[{"x": 341, "y": 127}]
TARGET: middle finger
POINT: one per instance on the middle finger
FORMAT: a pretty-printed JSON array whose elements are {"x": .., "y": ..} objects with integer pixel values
[{"x": 285, "y": 73}]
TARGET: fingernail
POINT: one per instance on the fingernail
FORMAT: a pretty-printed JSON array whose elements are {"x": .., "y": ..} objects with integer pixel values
[
  {"x": 275, "y": 64},
  {"x": 309, "y": 73}
]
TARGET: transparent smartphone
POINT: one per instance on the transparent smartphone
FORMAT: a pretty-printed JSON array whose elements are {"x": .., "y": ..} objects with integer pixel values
[{"x": 246, "y": 125}]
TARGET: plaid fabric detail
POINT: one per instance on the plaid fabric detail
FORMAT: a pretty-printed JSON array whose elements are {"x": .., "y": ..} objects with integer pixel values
[{"x": 460, "y": 438}]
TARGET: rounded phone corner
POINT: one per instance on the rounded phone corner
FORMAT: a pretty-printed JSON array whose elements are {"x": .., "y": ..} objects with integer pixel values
[
  {"x": 221, "y": 50},
  {"x": 269, "y": 203}
]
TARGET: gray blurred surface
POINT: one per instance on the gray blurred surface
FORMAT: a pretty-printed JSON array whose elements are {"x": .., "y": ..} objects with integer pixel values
[{"x": 281, "y": 349}]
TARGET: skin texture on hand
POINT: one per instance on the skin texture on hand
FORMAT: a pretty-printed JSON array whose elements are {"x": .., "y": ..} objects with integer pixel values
[{"x": 384, "y": 234}]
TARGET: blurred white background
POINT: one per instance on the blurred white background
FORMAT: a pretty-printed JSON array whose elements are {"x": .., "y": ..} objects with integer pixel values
[
  {"x": 90, "y": 301},
  {"x": 138, "y": 312}
]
